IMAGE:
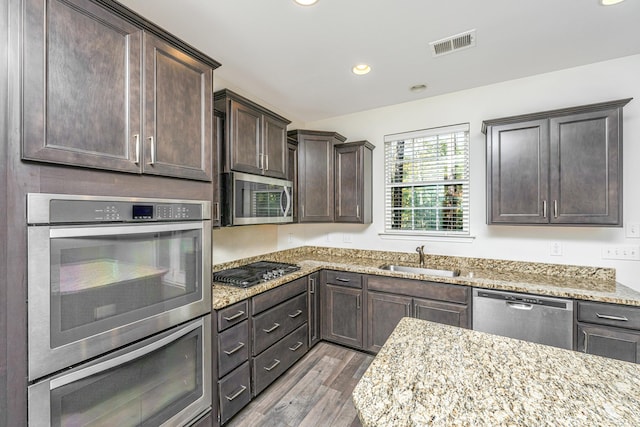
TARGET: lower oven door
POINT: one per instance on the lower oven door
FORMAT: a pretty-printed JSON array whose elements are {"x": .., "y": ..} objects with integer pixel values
[{"x": 163, "y": 380}]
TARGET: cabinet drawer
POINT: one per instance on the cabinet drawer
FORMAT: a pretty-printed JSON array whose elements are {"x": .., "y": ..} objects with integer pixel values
[
  {"x": 275, "y": 296},
  {"x": 274, "y": 361},
  {"x": 353, "y": 280},
  {"x": 233, "y": 347},
  {"x": 275, "y": 323},
  {"x": 234, "y": 391},
  {"x": 232, "y": 315},
  {"x": 622, "y": 316},
  {"x": 442, "y": 312},
  {"x": 420, "y": 289}
]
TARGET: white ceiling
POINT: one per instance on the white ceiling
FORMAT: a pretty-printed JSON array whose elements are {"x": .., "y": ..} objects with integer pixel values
[{"x": 299, "y": 59}]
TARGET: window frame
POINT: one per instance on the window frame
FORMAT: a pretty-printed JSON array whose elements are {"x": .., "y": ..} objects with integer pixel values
[{"x": 438, "y": 186}]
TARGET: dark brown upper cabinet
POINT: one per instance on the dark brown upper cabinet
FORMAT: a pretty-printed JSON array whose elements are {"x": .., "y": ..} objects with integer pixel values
[
  {"x": 84, "y": 103},
  {"x": 316, "y": 200},
  {"x": 560, "y": 167},
  {"x": 353, "y": 182},
  {"x": 256, "y": 138}
]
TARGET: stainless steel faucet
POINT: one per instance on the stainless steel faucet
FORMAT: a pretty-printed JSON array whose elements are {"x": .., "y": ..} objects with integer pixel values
[{"x": 420, "y": 250}]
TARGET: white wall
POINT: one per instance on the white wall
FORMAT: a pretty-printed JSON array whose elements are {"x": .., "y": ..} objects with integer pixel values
[{"x": 598, "y": 82}]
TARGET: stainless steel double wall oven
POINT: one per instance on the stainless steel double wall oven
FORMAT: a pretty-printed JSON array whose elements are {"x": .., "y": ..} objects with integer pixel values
[{"x": 119, "y": 296}]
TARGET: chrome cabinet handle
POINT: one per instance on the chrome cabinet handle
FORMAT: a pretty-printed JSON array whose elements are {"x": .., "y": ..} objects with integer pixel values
[
  {"x": 544, "y": 208},
  {"x": 358, "y": 302},
  {"x": 269, "y": 368},
  {"x": 266, "y": 161},
  {"x": 136, "y": 137},
  {"x": 610, "y": 317},
  {"x": 295, "y": 347},
  {"x": 340, "y": 279},
  {"x": 273, "y": 328},
  {"x": 153, "y": 150},
  {"x": 236, "y": 394},
  {"x": 357, "y": 211},
  {"x": 312, "y": 282},
  {"x": 234, "y": 317},
  {"x": 235, "y": 349},
  {"x": 216, "y": 207},
  {"x": 555, "y": 209},
  {"x": 296, "y": 314},
  {"x": 586, "y": 340}
]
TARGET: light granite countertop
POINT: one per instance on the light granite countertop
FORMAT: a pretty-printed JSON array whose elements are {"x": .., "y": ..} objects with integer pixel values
[
  {"x": 438, "y": 375},
  {"x": 579, "y": 282}
]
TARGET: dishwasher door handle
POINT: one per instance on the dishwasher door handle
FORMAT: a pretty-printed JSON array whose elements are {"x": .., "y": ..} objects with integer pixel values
[{"x": 519, "y": 305}]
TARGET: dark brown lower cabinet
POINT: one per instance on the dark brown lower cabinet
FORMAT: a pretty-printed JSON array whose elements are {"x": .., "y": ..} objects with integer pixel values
[
  {"x": 342, "y": 315},
  {"x": 610, "y": 342},
  {"x": 314, "y": 308},
  {"x": 234, "y": 392},
  {"x": 384, "y": 311},
  {"x": 441, "y": 312}
]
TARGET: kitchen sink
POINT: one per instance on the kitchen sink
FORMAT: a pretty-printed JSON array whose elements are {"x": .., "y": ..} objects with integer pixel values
[{"x": 421, "y": 270}]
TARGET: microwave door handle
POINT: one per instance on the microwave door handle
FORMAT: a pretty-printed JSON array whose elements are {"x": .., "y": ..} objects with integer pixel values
[{"x": 285, "y": 210}]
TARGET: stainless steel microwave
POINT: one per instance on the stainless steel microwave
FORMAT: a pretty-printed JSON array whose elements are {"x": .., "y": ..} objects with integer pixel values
[{"x": 254, "y": 199}]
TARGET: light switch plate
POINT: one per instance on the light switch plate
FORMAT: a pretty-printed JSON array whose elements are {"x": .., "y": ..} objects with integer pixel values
[
  {"x": 555, "y": 249},
  {"x": 633, "y": 230}
]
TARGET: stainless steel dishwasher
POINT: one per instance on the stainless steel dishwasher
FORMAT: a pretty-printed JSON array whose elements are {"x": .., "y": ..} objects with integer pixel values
[{"x": 542, "y": 320}]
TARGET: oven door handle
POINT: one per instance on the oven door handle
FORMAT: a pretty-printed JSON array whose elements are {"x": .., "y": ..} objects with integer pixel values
[
  {"x": 113, "y": 230},
  {"x": 119, "y": 360}
]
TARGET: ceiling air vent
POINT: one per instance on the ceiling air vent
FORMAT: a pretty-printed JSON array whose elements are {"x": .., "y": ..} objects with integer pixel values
[{"x": 453, "y": 43}]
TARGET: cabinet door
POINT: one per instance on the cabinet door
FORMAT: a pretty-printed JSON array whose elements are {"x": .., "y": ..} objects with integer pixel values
[
  {"x": 82, "y": 86},
  {"x": 585, "y": 170},
  {"x": 314, "y": 309},
  {"x": 316, "y": 192},
  {"x": 342, "y": 315},
  {"x": 517, "y": 171},
  {"x": 609, "y": 342},
  {"x": 348, "y": 184},
  {"x": 292, "y": 175},
  {"x": 384, "y": 311},
  {"x": 244, "y": 138},
  {"x": 274, "y": 147},
  {"x": 442, "y": 312},
  {"x": 178, "y": 114}
]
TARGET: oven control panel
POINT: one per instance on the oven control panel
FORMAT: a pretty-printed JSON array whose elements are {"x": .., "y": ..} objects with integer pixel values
[{"x": 82, "y": 211}]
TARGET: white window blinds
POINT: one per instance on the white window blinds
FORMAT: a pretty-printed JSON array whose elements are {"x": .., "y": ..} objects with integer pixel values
[{"x": 427, "y": 181}]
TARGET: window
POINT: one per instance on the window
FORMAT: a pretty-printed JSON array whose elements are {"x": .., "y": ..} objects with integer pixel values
[{"x": 427, "y": 181}]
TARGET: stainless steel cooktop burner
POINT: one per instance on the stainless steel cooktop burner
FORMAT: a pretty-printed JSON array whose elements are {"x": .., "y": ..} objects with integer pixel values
[{"x": 252, "y": 274}]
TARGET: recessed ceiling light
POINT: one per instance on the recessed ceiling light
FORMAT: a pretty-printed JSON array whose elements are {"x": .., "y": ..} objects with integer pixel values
[
  {"x": 306, "y": 2},
  {"x": 610, "y": 2},
  {"x": 361, "y": 69},
  {"x": 418, "y": 88}
]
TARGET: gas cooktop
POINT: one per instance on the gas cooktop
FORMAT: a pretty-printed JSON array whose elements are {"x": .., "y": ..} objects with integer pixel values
[{"x": 252, "y": 274}]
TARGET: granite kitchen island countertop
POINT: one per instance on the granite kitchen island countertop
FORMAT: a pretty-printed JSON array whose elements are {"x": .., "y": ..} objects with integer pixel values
[
  {"x": 579, "y": 282},
  {"x": 433, "y": 374}
]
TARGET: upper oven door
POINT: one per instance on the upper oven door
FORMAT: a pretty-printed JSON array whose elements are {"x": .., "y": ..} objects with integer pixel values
[{"x": 92, "y": 289}]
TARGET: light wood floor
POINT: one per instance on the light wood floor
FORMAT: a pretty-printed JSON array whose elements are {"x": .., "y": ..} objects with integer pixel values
[{"x": 314, "y": 392}]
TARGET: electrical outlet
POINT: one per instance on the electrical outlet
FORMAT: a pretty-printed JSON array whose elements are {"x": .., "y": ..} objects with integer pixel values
[
  {"x": 555, "y": 249},
  {"x": 290, "y": 238},
  {"x": 633, "y": 230},
  {"x": 623, "y": 252}
]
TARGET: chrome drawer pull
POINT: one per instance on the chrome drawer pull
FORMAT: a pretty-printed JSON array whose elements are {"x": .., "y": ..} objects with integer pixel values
[
  {"x": 234, "y": 350},
  {"x": 295, "y": 347},
  {"x": 234, "y": 317},
  {"x": 273, "y": 328},
  {"x": 340, "y": 279},
  {"x": 609, "y": 317},
  {"x": 586, "y": 341},
  {"x": 296, "y": 314},
  {"x": 236, "y": 394},
  {"x": 269, "y": 368}
]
